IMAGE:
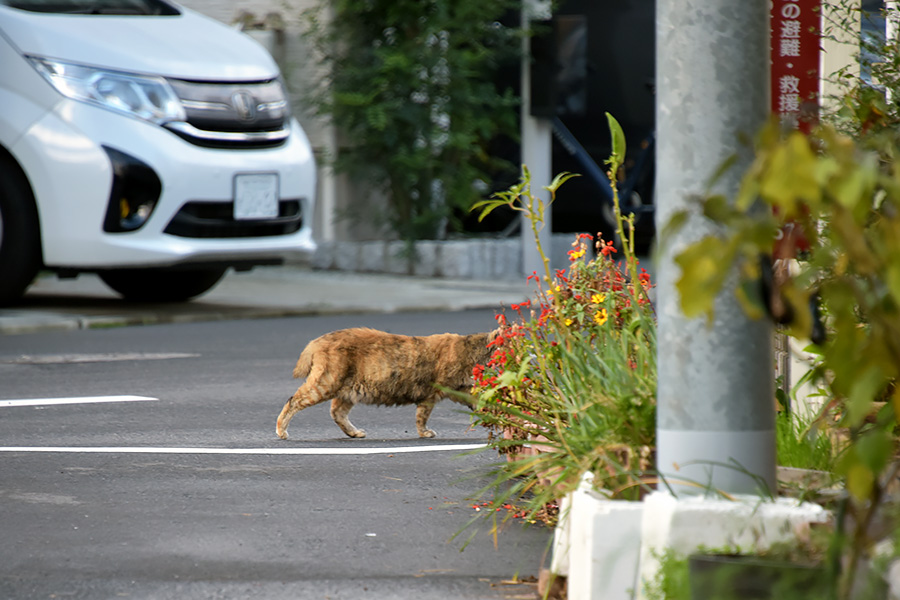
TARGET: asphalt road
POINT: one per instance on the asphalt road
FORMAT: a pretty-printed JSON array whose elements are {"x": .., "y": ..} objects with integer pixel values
[{"x": 186, "y": 492}]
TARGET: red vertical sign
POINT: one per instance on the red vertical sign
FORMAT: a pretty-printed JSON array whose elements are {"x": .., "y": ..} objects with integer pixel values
[{"x": 794, "y": 53}]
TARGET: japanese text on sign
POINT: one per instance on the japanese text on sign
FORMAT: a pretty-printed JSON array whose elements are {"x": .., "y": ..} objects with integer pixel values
[{"x": 794, "y": 54}]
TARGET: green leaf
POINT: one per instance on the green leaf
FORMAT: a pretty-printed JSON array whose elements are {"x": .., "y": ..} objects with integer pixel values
[
  {"x": 748, "y": 294},
  {"x": 717, "y": 208},
  {"x": 508, "y": 378},
  {"x": 893, "y": 280},
  {"x": 860, "y": 481},
  {"x": 617, "y": 136},
  {"x": 488, "y": 206},
  {"x": 874, "y": 450},
  {"x": 798, "y": 300},
  {"x": 676, "y": 223},
  {"x": 852, "y": 188},
  {"x": 790, "y": 178},
  {"x": 702, "y": 274},
  {"x": 863, "y": 391},
  {"x": 559, "y": 180}
]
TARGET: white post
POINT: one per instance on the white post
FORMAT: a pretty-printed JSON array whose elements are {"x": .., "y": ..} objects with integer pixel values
[
  {"x": 891, "y": 17},
  {"x": 537, "y": 145},
  {"x": 716, "y": 383}
]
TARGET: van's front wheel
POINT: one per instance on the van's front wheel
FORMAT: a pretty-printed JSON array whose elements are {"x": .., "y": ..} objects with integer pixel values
[
  {"x": 20, "y": 242},
  {"x": 162, "y": 285}
]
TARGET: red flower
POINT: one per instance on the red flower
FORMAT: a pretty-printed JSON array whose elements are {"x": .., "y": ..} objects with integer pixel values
[
  {"x": 545, "y": 314},
  {"x": 608, "y": 249},
  {"x": 478, "y": 372},
  {"x": 519, "y": 307}
]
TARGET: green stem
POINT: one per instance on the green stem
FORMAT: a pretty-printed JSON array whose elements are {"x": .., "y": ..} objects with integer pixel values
[{"x": 627, "y": 242}]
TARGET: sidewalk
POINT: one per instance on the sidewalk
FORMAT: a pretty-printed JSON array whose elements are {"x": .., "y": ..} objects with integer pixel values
[{"x": 52, "y": 304}]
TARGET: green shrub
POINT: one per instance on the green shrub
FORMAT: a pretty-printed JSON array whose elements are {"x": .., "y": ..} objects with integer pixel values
[
  {"x": 571, "y": 385},
  {"x": 411, "y": 87}
]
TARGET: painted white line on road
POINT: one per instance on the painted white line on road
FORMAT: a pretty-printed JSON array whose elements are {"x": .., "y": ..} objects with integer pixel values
[
  {"x": 242, "y": 451},
  {"x": 53, "y": 359},
  {"x": 79, "y": 400}
]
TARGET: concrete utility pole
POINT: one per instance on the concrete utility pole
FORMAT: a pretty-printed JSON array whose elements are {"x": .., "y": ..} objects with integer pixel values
[{"x": 716, "y": 389}]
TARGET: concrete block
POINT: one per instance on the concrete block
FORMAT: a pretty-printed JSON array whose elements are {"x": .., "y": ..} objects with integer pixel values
[
  {"x": 746, "y": 524},
  {"x": 559, "y": 559},
  {"x": 456, "y": 260},
  {"x": 371, "y": 256},
  {"x": 346, "y": 256},
  {"x": 506, "y": 259},
  {"x": 481, "y": 259},
  {"x": 427, "y": 257},
  {"x": 604, "y": 546},
  {"x": 396, "y": 261},
  {"x": 323, "y": 257}
]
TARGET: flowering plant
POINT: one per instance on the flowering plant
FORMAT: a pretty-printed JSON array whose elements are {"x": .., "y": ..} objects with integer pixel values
[{"x": 573, "y": 372}]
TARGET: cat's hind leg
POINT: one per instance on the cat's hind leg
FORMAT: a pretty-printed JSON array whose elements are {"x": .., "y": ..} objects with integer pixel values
[
  {"x": 340, "y": 410},
  {"x": 308, "y": 394}
]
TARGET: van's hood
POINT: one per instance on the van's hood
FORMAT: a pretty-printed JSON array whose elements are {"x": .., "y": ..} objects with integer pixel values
[{"x": 186, "y": 46}]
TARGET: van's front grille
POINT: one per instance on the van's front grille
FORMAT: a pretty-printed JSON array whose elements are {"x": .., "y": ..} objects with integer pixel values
[
  {"x": 216, "y": 220},
  {"x": 227, "y": 115}
]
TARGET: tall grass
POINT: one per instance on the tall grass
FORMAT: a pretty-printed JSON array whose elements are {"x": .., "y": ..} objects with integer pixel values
[{"x": 800, "y": 444}]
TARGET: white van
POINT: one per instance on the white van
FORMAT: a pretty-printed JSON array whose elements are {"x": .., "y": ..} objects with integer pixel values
[{"x": 147, "y": 143}]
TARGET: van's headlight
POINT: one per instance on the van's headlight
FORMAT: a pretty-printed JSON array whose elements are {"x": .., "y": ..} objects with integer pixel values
[{"x": 145, "y": 97}]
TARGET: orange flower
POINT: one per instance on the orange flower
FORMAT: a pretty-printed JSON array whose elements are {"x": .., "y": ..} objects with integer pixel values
[{"x": 575, "y": 254}]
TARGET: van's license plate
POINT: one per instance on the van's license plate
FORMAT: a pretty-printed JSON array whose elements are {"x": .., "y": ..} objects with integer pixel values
[{"x": 256, "y": 196}]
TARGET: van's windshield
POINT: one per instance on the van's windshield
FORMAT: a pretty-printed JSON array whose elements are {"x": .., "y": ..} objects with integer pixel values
[{"x": 95, "y": 7}]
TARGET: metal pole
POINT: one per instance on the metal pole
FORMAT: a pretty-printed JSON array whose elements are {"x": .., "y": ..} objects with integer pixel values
[{"x": 716, "y": 383}]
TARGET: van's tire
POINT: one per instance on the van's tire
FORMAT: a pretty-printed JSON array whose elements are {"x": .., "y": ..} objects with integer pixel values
[
  {"x": 20, "y": 239},
  {"x": 162, "y": 285}
]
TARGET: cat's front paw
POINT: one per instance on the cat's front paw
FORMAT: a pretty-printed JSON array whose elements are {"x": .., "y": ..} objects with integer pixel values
[{"x": 427, "y": 434}]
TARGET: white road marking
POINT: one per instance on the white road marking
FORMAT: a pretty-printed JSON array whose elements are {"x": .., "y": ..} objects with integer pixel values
[
  {"x": 52, "y": 359},
  {"x": 79, "y": 400},
  {"x": 241, "y": 451}
]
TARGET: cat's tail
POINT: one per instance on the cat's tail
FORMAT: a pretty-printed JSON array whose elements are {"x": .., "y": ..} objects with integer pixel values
[{"x": 305, "y": 363}]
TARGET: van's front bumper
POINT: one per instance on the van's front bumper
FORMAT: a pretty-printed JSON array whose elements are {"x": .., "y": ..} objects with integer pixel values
[{"x": 72, "y": 175}]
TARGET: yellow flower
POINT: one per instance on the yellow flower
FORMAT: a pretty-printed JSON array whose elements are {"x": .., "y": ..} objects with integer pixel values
[
  {"x": 598, "y": 298},
  {"x": 601, "y": 316},
  {"x": 553, "y": 291},
  {"x": 569, "y": 322}
]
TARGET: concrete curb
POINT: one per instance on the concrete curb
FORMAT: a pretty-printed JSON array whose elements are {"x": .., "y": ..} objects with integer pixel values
[{"x": 265, "y": 292}]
